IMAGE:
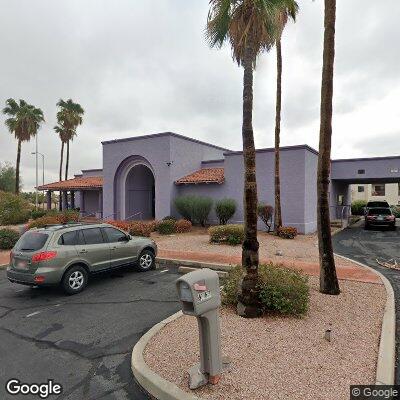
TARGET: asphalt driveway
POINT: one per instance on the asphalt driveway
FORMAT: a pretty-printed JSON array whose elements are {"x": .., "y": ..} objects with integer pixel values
[
  {"x": 368, "y": 246},
  {"x": 82, "y": 342}
]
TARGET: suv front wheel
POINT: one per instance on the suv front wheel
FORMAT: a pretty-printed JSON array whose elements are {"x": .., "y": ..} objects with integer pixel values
[
  {"x": 75, "y": 280},
  {"x": 146, "y": 261}
]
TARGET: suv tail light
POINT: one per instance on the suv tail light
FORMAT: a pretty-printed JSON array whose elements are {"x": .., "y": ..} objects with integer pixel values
[
  {"x": 390, "y": 218},
  {"x": 43, "y": 256}
]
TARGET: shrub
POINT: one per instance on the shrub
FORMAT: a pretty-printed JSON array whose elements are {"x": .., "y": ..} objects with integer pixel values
[
  {"x": 231, "y": 234},
  {"x": 225, "y": 209},
  {"x": 169, "y": 217},
  {"x": 139, "y": 228},
  {"x": 35, "y": 214},
  {"x": 357, "y": 207},
  {"x": 124, "y": 225},
  {"x": 166, "y": 227},
  {"x": 182, "y": 226},
  {"x": 153, "y": 225},
  {"x": 287, "y": 232},
  {"x": 13, "y": 209},
  {"x": 43, "y": 221},
  {"x": 265, "y": 212},
  {"x": 68, "y": 216},
  {"x": 282, "y": 290},
  {"x": 396, "y": 211},
  {"x": 8, "y": 238},
  {"x": 194, "y": 208}
]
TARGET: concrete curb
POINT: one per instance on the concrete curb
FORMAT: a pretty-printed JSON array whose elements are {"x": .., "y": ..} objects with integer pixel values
[
  {"x": 3, "y": 266},
  {"x": 154, "y": 384},
  {"x": 387, "y": 346},
  {"x": 193, "y": 264}
]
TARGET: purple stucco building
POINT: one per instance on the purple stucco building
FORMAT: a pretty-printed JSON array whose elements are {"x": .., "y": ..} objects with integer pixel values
[{"x": 141, "y": 177}]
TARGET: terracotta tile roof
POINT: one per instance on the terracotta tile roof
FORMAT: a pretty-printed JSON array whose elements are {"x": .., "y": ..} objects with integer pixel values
[
  {"x": 204, "y": 175},
  {"x": 90, "y": 182}
]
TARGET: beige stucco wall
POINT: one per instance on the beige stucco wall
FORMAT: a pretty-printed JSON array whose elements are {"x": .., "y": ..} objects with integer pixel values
[{"x": 391, "y": 193}]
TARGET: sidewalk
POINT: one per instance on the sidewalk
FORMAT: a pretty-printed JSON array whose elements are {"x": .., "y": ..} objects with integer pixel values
[{"x": 349, "y": 272}]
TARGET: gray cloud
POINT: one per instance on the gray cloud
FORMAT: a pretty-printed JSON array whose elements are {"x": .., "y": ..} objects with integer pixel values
[{"x": 141, "y": 67}]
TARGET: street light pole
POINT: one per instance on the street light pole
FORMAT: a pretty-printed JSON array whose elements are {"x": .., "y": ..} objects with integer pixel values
[
  {"x": 37, "y": 153},
  {"x": 37, "y": 175}
]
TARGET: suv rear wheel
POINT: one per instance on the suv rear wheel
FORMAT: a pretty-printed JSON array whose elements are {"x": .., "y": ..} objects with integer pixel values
[
  {"x": 146, "y": 261},
  {"x": 75, "y": 280}
]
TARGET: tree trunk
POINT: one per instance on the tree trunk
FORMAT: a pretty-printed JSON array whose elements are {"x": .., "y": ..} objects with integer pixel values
[
  {"x": 328, "y": 280},
  {"x": 17, "y": 167},
  {"x": 278, "y": 211},
  {"x": 67, "y": 162},
  {"x": 249, "y": 304},
  {"x": 61, "y": 165}
]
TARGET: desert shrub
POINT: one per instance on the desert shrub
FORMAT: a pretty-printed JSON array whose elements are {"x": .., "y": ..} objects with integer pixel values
[
  {"x": 153, "y": 224},
  {"x": 265, "y": 212},
  {"x": 357, "y": 207},
  {"x": 35, "y": 214},
  {"x": 68, "y": 216},
  {"x": 282, "y": 290},
  {"x": 194, "y": 208},
  {"x": 231, "y": 234},
  {"x": 166, "y": 227},
  {"x": 43, "y": 221},
  {"x": 169, "y": 217},
  {"x": 8, "y": 238},
  {"x": 396, "y": 211},
  {"x": 287, "y": 232},
  {"x": 13, "y": 209},
  {"x": 225, "y": 209},
  {"x": 124, "y": 225},
  {"x": 182, "y": 226},
  {"x": 139, "y": 228}
]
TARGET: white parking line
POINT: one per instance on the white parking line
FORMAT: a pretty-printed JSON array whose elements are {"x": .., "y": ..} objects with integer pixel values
[
  {"x": 32, "y": 314},
  {"x": 164, "y": 270}
]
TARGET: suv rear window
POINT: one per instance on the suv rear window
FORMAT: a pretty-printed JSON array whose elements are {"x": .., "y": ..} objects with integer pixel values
[
  {"x": 374, "y": 204},
  {"x": 379, "y": 211},
  {"x": 31, "y": 241}
]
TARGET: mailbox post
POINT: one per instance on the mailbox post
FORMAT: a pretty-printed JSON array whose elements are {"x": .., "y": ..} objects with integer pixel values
[{"x": 199, "y": 294}]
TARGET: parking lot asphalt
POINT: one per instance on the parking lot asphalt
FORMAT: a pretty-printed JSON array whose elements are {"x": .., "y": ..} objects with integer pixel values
[
  {"x": 82, "y": 342},
  {"x": 368, "y": 246}
]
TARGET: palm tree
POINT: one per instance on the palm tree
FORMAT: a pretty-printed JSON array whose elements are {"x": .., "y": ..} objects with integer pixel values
[
  {"x": 69, "y": 116},
  {"x": 63, "y": 135},
  {"x": 250, "y": 26},
  {"x": 289, "y": 10},
  {"x": 328, "y": 280},
  {"x": 24, "y": 122}
]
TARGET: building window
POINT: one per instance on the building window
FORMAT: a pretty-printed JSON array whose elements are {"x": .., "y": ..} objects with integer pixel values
[
  {"x": 378, "y": 190},
  {"x": 360, "y": 189},
  {"x": 361, "y": 171}
]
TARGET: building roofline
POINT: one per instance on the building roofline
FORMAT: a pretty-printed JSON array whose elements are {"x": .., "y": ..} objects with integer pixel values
[
  {"x": 218, "y": 160},
  {"x": 272, "y": 149},
  {"x": 366, "y": 159},
  {"x": 161, "y": 134},
  {"x": 92, "y": 170}
]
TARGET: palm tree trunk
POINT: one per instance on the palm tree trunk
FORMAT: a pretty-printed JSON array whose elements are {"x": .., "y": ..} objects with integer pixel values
[
  {"x": 61, "y": 165},
  {"x": 278, "y": 211},
  {"x": 67, "y": 162},
  {"x": 328, "y": 280},
  {"x": 17, "y": 167},
  {"x": 249, "y": 305}
]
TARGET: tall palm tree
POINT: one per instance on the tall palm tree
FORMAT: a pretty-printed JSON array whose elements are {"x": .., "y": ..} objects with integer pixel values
[
  {"x": 70, "y": 116},
  {"x": 24, "y": 122},
  {"x": 328, "y": 280},
  {"x": 63, "y": 135},
  {"x": 289, "y": 10},
  {"x": 250, "y": 26}
]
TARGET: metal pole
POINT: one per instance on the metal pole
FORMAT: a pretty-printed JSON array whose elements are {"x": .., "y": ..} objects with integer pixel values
[
  {"x": 37, "y": 173},
  {"x": 43, "y": 177}
]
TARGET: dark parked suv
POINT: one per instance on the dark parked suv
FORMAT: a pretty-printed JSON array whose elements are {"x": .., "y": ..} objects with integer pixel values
[
  {"x": 68, "y": 254},
  {"x": 380, "y": 217}
]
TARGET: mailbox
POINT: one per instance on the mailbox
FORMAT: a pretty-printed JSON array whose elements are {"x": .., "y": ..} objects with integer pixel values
[{"x": 199, "y": 294}]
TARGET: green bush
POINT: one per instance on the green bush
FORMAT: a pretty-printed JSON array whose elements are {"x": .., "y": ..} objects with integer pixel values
[
  {"x": 13, "y": 209},
  {"x": 43, "y": 221},
  {"x": 166, "y": 227},
  {"x": 357, "y": 207},
  {"x": 169, "y": 217},
  {"x": 225, "y": 209},
  {"x": 396, "y": 211},
  {"x": 194, "y": 208},
  {"x": 231, "y": 234},
  {"x": 282, "y": 290},
  {"x": 35, "y": 214},
  {"x": 265, "y": 212},
  {"x": 8, "y": 238}
]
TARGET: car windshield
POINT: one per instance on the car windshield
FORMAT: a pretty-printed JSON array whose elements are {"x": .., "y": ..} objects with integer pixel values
[
  {"x": 375, "y": 204},
  {"x": 31, "y": 241},
  {"x": 379, "y": 211}
]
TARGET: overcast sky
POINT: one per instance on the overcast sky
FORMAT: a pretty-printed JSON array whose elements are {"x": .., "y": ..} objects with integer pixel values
[{"x": 143, "y": 66}]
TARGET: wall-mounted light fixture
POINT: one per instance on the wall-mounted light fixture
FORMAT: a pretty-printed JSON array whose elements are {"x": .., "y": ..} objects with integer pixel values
[{"x": 169, "y": 163}]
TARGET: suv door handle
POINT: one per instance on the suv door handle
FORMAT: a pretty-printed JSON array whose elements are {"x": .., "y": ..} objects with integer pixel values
[
  {"x": 83, "y": 251},
  {"x": 114, "y": 248}
]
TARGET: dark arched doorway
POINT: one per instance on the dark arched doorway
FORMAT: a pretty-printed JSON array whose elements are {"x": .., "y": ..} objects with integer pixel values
[{"x": 139, "y": 194}]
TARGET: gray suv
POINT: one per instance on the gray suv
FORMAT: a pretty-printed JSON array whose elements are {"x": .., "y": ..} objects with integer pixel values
[{"x": 68, "y": 254}]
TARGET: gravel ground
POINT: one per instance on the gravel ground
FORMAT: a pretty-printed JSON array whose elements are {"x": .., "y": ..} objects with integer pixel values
[
  {"x": 284, "y": 358},
  {"x": 302, "y": 248}
]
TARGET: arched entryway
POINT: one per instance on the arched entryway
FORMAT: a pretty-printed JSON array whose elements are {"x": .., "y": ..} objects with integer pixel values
[{"x": 139, "y": 193}]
